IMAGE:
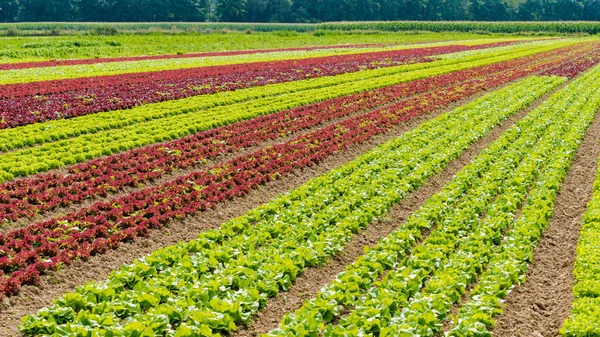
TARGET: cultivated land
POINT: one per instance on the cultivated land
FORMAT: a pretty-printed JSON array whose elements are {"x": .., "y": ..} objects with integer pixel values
[{"x": 300, "y": 184}]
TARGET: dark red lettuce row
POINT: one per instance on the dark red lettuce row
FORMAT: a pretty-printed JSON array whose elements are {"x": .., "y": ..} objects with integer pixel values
[
  {"x": 28, "y": 103},
  {"x": 85, "y": 181},
  {"x": 28, "y": 252},
  {"x": 57, "y": 63},
  {"x": 575, "y": 66}
]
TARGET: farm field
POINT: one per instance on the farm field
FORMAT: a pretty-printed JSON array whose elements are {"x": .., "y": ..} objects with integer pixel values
[{"x": 352, "y": 184}]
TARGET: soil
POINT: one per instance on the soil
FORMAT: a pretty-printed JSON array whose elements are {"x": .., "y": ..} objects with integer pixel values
[{"x": 539, "y": 306}]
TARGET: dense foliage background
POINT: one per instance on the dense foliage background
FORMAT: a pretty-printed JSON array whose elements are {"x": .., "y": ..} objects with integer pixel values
[{"x": 295, "y": 11}]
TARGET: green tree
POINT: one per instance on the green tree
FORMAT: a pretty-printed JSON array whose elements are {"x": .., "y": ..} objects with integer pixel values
[
  {"x": 97, "y": 10},
  {"x": 231, "y": 10},
  {"x": 329, "y": 10},
  {"x": 9, "y": 10},
  {"x": 591, "y": 10},
  {"x": 256, "y": 11},
  {"x": 532, "y": 10},
  {"x": 44, "y": 10},
  {"x": 568, "y": 10},
  {"x": 280, "y": 10},
  {"x": 490, "y": 10}
]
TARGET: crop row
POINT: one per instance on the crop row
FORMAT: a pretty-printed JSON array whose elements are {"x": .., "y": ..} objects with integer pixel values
[
  {"x": 39, "y": 133},
  {"x": 124, "y": 218},
  {"x": 469, "y": 218},
  {"x": 576, "y": 66},
  {"x": 208, "y": 79},
  {"x": 27, "y": 75},
  {"x": 99, "y": 177},
  {"x": 37, "y": 102},
  {"x": 57, "y": 63},
  {"x": 106, "y": 69},
  {"x": 225, "y": 276},
  {"x": 178, "y": 124},
  {"x": 481, "y": 260},
  {"x": 508, "y": 266},
  {"x": 472, "y": 26},
  {"x": 173, "y": 76},
  {"x": 584, "y": 319},
  {"x": 27, "y": 251}
]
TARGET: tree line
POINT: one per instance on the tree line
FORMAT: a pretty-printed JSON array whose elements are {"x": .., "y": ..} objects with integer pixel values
[{"x": 295, "y": 10}]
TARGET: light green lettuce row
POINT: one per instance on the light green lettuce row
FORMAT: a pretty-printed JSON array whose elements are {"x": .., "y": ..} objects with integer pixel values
[
  {"x": 226, "y": 275},
  {"x": 373, "y": 304},
  {"x": 425, "y": 313},
  {"x": 584, "y": 320},
  {"x": 18, "y": 137},
  {"x": 508, "y": 263},
  {"x": 185, "y": 118},
  {"x": 410, "y": 303},
  {"x": 458, "y": 230},
  {"x": 27, "y": 75}
]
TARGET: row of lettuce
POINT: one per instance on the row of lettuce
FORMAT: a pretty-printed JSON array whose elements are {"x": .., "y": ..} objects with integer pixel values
[
  {"x": 584, "y": 320},
  {"x": 27, "y": 75},
  {"x": 97, "y": 178},
  {"x": 421, "y": 53},
  {"x": 55, "y": 63},
  {"x": 225, "y": 276},
  {"x": 28, "y": 103},
  {"x": 66, "y": 142},
  {"x": 59, "y": 129}
]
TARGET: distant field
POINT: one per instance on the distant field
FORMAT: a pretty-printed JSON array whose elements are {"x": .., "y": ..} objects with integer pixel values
[
  {"x": 557, "y": 27},
  {"x": 345, "y": 180},
  {"x": 20, "y": 49}
]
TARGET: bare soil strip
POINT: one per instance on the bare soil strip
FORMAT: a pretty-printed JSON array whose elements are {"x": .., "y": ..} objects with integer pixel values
[
  {"x": 313, "y": 279},
  {"x": 539, "y": 307}
]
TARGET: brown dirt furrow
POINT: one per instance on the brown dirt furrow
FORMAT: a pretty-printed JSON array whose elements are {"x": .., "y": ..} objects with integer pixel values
[
  {"x": 539, "y": 306},
  {"x": 313, "y": 279},
  {"x": 54, "y": 284}
]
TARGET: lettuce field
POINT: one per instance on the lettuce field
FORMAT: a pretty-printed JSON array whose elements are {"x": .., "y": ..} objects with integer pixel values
[{"x": 437, "y": 187}]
